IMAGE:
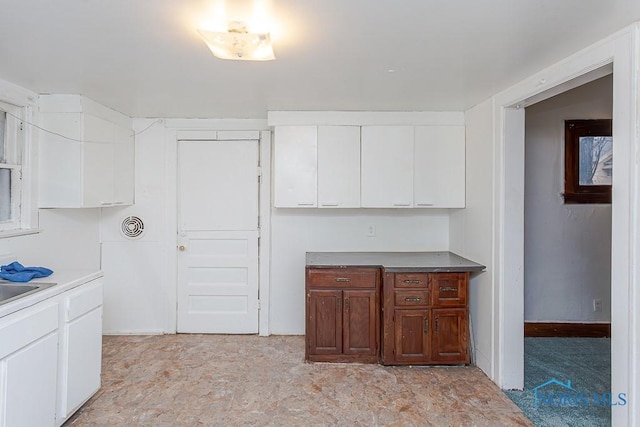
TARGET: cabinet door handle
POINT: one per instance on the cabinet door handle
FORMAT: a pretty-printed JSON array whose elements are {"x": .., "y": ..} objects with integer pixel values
[
  {"x": 343, "y": 279},
  {"x": 339, "y": 305},
  {"x": 414, "y": 281},
  {"x": 448, "y": 289},
  {"x": 346, "y": 305},
  {"x": 306, "y": 203},
  {"x": 436, "y": 328},
  {"x": 401, "y": 204},
  {"x": 426, "y": 325},
  {"x": 412, "y": 299}
]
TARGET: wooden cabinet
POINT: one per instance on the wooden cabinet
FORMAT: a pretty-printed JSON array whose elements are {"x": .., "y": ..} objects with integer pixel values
[
  {"x": 93, "y": 164},
  {"x": 425, "y": 318},
  {"x": 342, "y": 314}
]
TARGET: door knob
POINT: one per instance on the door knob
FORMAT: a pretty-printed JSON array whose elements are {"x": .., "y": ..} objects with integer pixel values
[{"x": 182, "y": 247}]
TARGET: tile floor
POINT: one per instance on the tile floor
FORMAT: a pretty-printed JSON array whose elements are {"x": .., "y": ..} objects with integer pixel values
[{"x": 232, "y": 380}]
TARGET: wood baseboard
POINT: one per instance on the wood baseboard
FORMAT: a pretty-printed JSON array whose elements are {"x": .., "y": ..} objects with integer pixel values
[{"x": 585, "y": 330}]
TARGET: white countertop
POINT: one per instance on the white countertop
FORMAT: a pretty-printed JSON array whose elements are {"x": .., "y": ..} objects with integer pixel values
[{"x": 64, "y": 279}]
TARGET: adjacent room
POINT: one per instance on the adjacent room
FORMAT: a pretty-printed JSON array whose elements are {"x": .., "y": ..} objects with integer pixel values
[{"x": 270, "y": 212}]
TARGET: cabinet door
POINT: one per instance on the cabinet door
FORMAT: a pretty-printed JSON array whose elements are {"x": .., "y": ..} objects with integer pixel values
[
  {"x": 339, "y": 166},
  {"x": 450, "y": 335},
  {"x": 29, "y": 397},
  {"x": 361, "y": 324},
  {"x": 295, "y": 166},
  {"x": 439, "y": 169},
  {"x": 324, "y": 322},
  {"x": 387, "y": 166},
  {"x": 84, "y": 355},
  {"x": 411, "y": 336},
  {"x": 98, "y": 161},
  {"x": 123, "y": 166},
  {"x": 449, "y": 289}
]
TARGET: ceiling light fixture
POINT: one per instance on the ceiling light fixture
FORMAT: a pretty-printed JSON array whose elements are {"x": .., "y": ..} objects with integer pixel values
[{"x": 238, "y": 43}]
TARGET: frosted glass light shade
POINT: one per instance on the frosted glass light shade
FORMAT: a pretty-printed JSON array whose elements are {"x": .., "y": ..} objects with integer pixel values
[{"x": 239, "y": 44}]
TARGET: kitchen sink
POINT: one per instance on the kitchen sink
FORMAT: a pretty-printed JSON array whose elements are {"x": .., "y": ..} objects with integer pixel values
[{"x": 10, "y": 291}]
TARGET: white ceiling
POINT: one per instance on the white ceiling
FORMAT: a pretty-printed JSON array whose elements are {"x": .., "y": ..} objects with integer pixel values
[{"x": 145, "y": 58}]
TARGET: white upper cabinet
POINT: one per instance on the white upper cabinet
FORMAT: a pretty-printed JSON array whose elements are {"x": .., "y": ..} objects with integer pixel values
[
  {"x": 295, "y": 166},
  {"x": 90, "y": 162},
  {"x": 387, "y": 166},
  {"x": 439, "y": 168},
  {"x": 339, "y": 166}
]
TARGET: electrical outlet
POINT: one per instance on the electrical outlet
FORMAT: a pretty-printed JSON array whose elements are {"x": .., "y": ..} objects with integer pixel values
[
  {"x": 371, "y": 231},
  {"x": 597, "y": 305}
]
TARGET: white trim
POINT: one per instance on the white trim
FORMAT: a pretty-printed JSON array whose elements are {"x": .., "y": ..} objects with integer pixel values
[
  {"x": 363, "y": 118},
  {"x": 19, "y": 232},
  {"x": 206, "y": 130},
  {"x": 622, "y": 49},
  {"x": 264, "y": 255},
  {"x": 216, "y": 124}
]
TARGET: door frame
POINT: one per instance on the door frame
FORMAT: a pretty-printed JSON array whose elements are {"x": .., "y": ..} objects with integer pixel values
[
  {"x": 217, "y": 129},
  {"x": 622, "y": 50}
]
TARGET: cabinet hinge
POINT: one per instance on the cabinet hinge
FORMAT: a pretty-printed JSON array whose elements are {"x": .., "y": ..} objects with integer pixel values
[
  {"x": 258, "y": 304},
  {"x": 259, "y": 173}
]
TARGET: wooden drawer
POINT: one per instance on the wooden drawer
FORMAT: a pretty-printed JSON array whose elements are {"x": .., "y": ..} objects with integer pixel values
[
  {"x": 411, "y": 280},
  {"x": 411, "y": 298},
  {"x": 342, "y": 277},
  {"x": 449, "y": 289}
]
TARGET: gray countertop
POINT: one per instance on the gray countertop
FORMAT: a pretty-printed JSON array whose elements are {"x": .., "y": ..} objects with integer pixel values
[{"x": 395, "y": 262}]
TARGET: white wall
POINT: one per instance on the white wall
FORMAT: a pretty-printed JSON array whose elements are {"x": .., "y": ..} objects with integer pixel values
[
  {"x": 471, "y": 229},
  {"x": 297, "y": 231},
  {"x": 136, "y": 287},
  {"x": 70, "y": 239},
  {"x": 567, "y": 246}
]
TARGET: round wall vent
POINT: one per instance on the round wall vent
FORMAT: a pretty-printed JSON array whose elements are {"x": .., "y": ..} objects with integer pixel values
[{"x": 132, "y": 227}]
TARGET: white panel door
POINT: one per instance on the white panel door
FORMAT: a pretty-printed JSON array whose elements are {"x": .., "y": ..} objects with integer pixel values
[
  {"x": 439, "y": 169},
  {"x": 339, "y": 166},
  {"x": 218, "y": 236},
  {"x": 387, "y": 166}
]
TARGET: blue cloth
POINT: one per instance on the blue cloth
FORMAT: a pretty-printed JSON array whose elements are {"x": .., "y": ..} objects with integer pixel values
[{"x": 16, "y": 272}]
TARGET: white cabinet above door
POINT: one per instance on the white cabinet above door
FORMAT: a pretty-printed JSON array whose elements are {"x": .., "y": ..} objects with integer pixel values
[
  {"x": 295, "y": 166},
  {"x": 387, "y": 166},
  {"x": 439, "y": 168},
  {"x": 339, "y": 166}
]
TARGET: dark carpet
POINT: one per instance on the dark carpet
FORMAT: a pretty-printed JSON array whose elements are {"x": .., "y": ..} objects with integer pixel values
[{"x": 583, "y": 366}]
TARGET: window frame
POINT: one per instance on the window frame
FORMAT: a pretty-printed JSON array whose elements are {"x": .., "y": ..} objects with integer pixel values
[
  {"x": 574, "y": 193},
  {"x": 13, "y": 153}
]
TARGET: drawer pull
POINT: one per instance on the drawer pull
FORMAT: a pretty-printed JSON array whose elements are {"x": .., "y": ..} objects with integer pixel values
[
  {"x": 342, "y": 279},
  {"x": 448, "y": 289},
  {"x": 412, "y": 299},
  {"x": 426, "y": 325},
  {"x": 414, "y": 281}
]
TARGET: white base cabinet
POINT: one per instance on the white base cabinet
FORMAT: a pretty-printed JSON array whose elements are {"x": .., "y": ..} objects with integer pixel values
[
  {"x": 80, "y": 348},
  {"x": 28, "y": 366},
  {"x": 50, "y": 357}
]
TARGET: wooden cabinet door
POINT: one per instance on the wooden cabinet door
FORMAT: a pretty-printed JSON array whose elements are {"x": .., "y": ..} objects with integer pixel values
[
  {"x": 360, "y": 325},
  {"x": 450, "y": 343},
  {"x": 324, "y": 322},
  {"x": 411, "y": 336}
]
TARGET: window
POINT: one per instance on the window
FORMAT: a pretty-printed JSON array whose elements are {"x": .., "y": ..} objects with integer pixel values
[
  {"x": 588, "y": 161},
  {"x": 10, "y": 167}
]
